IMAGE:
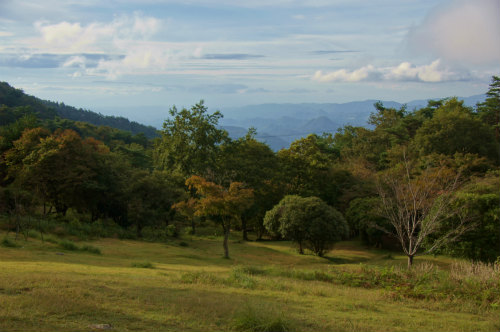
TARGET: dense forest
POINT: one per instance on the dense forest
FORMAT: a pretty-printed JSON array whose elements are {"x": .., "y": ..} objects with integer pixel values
[
  {"x": 45, "y": 109},
  {"x": 421, "y": 181}
]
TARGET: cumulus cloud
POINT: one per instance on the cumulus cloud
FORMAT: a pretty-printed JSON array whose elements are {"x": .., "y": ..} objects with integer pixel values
[
  {"x": 405, "y": 71},
  {"x": 73, "y": 37},
  {"x": 461, "y": 31},
  {"x": 128, "y": 36},
  {"x": 343, "y": 75},
  {"x": 143, "y": 58}
]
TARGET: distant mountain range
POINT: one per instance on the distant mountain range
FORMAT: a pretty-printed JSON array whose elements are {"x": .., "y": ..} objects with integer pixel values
[
  {"x": 277, "y": 124},
  {"x": 280, "y": 124}
]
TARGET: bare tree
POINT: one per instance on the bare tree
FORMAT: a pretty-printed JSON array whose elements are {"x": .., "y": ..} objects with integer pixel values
[{"x": 417, "y": 202}]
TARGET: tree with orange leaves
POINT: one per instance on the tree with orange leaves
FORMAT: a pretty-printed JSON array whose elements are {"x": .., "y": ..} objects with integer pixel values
[{"x": 223, "y": 205}]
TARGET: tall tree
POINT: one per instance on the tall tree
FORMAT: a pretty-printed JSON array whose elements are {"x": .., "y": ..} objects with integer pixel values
[
  {"x": 190, "y": 142},
  {"x": 255, "y": 164},
  {"x": 309, "y": 168},
  {"x": 489, "y": 111},
  {"x": 455, "y": 128}
]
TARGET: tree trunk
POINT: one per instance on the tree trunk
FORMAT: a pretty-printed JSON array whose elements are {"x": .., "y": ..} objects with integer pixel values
[
  {"x": 139, "y": 230},
  {"x": 226, "y": 237},
  {"x": 410, "y": 261},
  {"x": 244, "y": 228},
  {"x": 301, "y": 250},
  {"x": 260, "y": 233},
  {"x": 193, "y": 226}
]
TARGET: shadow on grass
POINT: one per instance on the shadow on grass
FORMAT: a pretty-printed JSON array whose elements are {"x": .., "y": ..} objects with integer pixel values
[{"x": 340, "y": 260}]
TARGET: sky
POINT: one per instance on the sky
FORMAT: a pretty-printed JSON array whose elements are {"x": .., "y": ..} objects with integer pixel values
[{"x": 128, "y": 54}]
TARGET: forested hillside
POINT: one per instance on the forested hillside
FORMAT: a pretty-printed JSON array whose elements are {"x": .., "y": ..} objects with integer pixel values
[
  {"x": 420, "y": 181},
  {"x": 45, "y": 109}
]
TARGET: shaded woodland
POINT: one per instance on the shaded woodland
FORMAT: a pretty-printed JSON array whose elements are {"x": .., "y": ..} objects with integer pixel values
[{"x": 421, "y": 181}]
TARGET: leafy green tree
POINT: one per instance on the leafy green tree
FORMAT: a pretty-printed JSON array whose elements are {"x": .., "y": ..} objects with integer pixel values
[
  {"x": 489, "y": 110},
  {"x": 255, "y": 164},
  {"x": 150, "y": 199},
  {"x": 364, "y": 220},
  {"x": 482, "y": 200},
  {"x": 190, "y": 142},
  {"x": 61, "y": 168},
  {"x": 455, "y": 128},
  {"x": 310, "y": 168},
  {"x": 309, "y": 222}
]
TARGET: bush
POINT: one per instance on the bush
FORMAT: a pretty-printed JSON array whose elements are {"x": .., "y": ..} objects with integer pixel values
[
  {"x": 200, "y": 277},
  {"x": 260, "y": 320},
  {"x": 144, "y": 265},
  {"x": 91, "y": 249},
  {"x": 68, "y": 245},
  {"x": 6, "y": 242},
  {"x": 172, "y": 231},
  {"x": 308, "y": 221},
  {"x": 240, "y": 278},
  {"x": 51, "y": 239}
]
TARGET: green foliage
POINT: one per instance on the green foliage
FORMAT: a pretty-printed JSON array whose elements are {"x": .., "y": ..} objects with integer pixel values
[
  {"x": 172, "y": 231},
  {"x": 481, "y": 242},
  {"x": 150, "y": 198},
  {"x": 68, "y": 245},
  {"x": 489, "y": 111},
  {"x": 455, "y": 128},
  {"x": 47, "y": 110},
  {"x": 255, "y": 319},
  {"x": 251, "y": 162},
  {"x": 307, "y": 221},
  {"x": 364, "y": 219},
  {"x": 144, "y": 265},
  {"x": 190, "y": 141},
  {"x": 91, "y": 249},
  {"x": 72, "y": 246},
  {"x": 8, "y": 243},
  {"x": 241, "y": 278},
  {"x": 200, "y": 277},
  {"x": 309, "y": 168}
]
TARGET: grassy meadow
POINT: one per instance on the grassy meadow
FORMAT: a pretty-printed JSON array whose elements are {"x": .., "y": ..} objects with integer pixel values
[{"x": 186, "y": 285}]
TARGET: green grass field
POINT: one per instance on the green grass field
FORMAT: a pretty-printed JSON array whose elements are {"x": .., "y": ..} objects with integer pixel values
[{"x": 265, "y": 286}]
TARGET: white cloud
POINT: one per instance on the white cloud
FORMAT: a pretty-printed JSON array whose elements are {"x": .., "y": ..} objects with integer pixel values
[
  {"x": 75, "y": 61},
  {"x": 6, "y": 34},
  {"x": 140, "y": 58},
  {"x": 462, "y": 31},
  {"x": 405, "y": 71},
  {"x": 69, "y": 37},
  {"x": 126, "y": 36},
  {"x": 343, "y": 75}
]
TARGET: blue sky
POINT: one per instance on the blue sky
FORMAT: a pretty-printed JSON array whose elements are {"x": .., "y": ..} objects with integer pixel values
[{"x": 101, "y": 54}]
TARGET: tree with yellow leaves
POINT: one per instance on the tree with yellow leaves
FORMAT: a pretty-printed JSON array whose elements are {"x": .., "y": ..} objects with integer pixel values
[{"x": 223, "y": 205}]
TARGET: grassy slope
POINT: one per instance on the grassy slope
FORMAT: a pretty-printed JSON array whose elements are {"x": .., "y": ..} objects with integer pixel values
[{"x": 193, "y": 288}]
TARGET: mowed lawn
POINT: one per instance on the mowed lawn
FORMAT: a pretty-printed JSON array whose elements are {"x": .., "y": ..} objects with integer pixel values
[{"x": 186, "y": 285}]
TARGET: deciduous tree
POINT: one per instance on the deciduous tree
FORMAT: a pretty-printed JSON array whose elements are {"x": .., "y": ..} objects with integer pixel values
[
  {"x": 309, "y": 222},
  {"x": 190, "y": 142},
  {"x": 223, "y": 205},
  {"x": 416, "y": 202}
]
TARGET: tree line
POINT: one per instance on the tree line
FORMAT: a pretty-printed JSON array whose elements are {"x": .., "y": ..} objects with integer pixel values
[{"x": 423, "y": 180}]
